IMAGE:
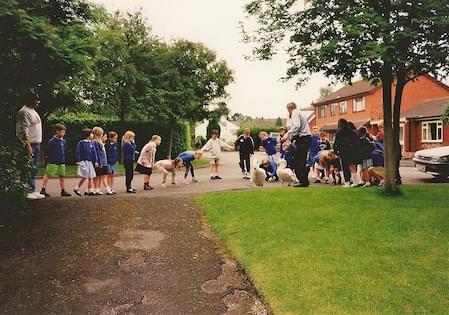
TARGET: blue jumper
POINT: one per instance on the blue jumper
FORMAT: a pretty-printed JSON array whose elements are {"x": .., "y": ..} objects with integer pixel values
[{"x": 56, "y": 149}]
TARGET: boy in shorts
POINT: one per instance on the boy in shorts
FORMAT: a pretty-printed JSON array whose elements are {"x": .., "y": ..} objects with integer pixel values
[
  {"x": 55, "y": 155},
  {"x": 214, "y": 146}
]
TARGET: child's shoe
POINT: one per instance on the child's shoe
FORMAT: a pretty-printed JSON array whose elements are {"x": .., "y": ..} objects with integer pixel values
[
  {"x": 163, "y": 185},
  {"x": 317, "y": 181},
  {"x": 367, "y": 184},
  {"x": 194, "y": 180},
  {"x": 212, "y": 178},
  {"x": 218, "y": 177},
  {"x": 131, "y": 191},
  {"x": 173, "y": 183},
  {"x": 77, "y": 192},
  {"x": 185, "y": 182},
  {"x": 110, "y": 192},
  {"x": 347, "y": 185},
  {"x": 147, "y": 187},
  {"x": 99, "y": 193},
  {"x": 65, "y": 193},
  {"x": 44, "y": 193}
]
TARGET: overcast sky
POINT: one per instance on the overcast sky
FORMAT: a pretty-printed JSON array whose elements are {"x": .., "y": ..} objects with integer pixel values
[{"x": 257, "y": 90}]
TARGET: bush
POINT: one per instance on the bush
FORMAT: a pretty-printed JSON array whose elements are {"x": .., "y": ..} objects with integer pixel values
[
  {"x": 255, "y": 133},
  {"x": 199, "y": 142},
  {"x": 14, "y": 165},
  {"x": 75, "y": 123}
]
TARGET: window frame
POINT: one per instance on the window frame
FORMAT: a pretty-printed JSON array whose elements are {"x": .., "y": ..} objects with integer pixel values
[
  {"x": 425, "y": 125},
  {"x": 322, "y": 114},
  {"x": 333, "y": 109},
  {"x": 355, "y": 108},
  {"x": 345, "y": 103}
]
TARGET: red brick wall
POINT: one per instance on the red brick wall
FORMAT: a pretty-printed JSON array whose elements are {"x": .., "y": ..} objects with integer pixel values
[
  {"x": 423, "y": 88},
  {"x": 350, "y": 115}
]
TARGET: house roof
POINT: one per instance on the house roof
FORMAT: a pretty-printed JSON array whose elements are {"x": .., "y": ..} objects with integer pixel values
[
  {"x": 429, "y": 108},
  {"x": 356, "y": 88}
]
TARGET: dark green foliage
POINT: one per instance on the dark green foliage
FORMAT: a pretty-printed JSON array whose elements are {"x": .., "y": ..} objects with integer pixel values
[
  {"x": 199, "y": 142},
  {"x": 446, "y": 116},
  {"x": 13, "y": 166},
  {"x": 213, "y": 125}
]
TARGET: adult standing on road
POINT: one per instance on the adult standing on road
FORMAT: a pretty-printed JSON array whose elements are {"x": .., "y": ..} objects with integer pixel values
[
  {"x": 299, "y": 133},
  {"x": 29, "y": 133}
]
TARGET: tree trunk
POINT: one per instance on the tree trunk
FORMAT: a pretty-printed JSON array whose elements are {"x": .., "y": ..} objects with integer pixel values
[
  {"x": 188, "y": 135},
  {"x": 400, "y": 84},
  {"x": 170, "y": 144},
  {"x": 389, "y": 155}
]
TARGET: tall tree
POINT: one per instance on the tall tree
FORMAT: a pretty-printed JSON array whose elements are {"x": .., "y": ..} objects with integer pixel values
[
  {"x": 124, "y": 56},
  {"x": 392, "y": 42},
  {"x": 189, "y": 81},
  {"x": 46, "y": 44}
]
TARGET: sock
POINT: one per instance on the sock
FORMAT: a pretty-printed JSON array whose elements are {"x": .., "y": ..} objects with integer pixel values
[
  {"x": 354, "y": 179},
  {"x": 90, "y": 190},
  {"x": 212, "y": 175},
  {"x": 77, "y": 188}
]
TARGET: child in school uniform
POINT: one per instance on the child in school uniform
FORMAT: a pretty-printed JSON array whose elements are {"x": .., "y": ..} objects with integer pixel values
[
  {"x": 55, "y": 154},
  {"x": 187, "y": 158},
  {"x": 129, "y": 156},
  {"x": 282, "y": 132},
  {"x": 289, "y": 153},
  {"x": 102, "y": 168},
  {"x": 214, "y": 146},
  {"x": 269, "y": 144},
  {"x": 86, "y": 159},
  {"x": 168, "y": 166},
  {"x": 111, "y": 147},
  {"x": 147, "y": 159},
  {"x": 366, "y": 147},
  {"x": 270, "y": 175},
  {"x": 245, "y": 143}
]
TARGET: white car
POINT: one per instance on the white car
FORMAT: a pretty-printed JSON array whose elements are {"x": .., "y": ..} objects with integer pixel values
[{"x": 433, "y": 161}]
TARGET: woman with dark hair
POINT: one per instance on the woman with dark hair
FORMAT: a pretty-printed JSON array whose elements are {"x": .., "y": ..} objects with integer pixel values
[{"x": 347, "y": 145}]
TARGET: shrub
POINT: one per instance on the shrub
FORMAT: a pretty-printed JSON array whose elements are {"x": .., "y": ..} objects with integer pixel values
[
  {"x": 14, "y": 165},
  {"x": 198, "y": 142}
]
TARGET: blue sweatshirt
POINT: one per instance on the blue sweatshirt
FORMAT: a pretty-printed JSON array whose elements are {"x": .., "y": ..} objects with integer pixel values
[
  {"x": 55, "y": 152},
  {"x": 378, "y": 158},
  {"x": 85, "y": 151},
  {"x": 269, "y": 145},
  {"x": 187, "y": 156},
  {"x": 129, "y": 151},
  {"x": 101, "y": 153},
  {"x": 111, "y": 152},
  {"x": 314, "y": 146}
]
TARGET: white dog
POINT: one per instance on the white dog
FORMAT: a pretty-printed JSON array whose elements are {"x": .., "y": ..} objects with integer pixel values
[
  {"x": 285, "y": 174},
  {"x": 257, "y": 174}
]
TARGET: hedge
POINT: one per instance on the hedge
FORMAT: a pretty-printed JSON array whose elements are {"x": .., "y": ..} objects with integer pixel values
[{"x": 255, "y": 133}]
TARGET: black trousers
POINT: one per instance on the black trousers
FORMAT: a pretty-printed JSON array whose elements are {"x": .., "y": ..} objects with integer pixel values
[
  {"x": 300, "y": 161},
  {"x": 244, "y": 163},
  {"x": 189, "y": 167},
  {"x": 345, "y": 168},
  {"x": 129, "y": 173}
]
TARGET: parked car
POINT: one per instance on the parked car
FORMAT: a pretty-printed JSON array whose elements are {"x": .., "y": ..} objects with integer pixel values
[{"x": 433, "y": 161}]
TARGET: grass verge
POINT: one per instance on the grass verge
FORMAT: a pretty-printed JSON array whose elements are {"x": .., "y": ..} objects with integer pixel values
[{"x": 340, "y": 251}]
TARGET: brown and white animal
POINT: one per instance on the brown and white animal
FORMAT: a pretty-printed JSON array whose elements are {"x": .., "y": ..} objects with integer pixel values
[
  {"x": 285, "y": 174},
  {"x": 257, "y": 174}
]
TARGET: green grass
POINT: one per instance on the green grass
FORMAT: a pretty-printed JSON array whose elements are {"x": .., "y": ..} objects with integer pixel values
[
  {"x": 71, "y": 169},
  {"x": 340, "y": 251}
]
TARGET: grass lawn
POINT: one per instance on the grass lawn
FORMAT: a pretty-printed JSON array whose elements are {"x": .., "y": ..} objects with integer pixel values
[
  {"x": 71, "y": 169},
  {"x": 340, "y": 251}
]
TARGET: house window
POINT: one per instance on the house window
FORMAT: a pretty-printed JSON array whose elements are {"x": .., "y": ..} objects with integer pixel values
[
  {"x": 343, "y": 107},
  {"x": 322, "y": 111},
  {"x": 432, "y": 131},
  {"x": 358, "y": 104},
  {"x": 334, "y": 109}
]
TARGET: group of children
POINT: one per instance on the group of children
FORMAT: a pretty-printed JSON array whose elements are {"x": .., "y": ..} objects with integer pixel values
[
  {"x": 97, "y": 156},
  {"x": 326, "y": 163}
]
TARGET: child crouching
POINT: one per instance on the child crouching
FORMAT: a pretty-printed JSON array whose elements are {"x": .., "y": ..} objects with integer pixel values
[
  {"x": 168, "y": 166},
  {"x": 187, "y": 158}
]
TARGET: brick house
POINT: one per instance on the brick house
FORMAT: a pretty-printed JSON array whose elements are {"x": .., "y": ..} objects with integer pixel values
[
  {"x": 361, "y": 103},
  {"x": 423, "y": 127}
]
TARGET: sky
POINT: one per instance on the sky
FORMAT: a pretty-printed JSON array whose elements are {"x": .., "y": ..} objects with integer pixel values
[{"x": 257, "y": 90}]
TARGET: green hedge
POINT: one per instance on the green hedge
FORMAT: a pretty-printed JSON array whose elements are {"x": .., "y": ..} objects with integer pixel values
[
  {"x": 255, "y": 133},
  {"x": 75, "y": 123}
]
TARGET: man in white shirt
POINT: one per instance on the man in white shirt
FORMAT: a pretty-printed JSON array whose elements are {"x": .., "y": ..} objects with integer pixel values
[
  {"x": 29, "y": 133},
  {"x": 299, "y": 133}
]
